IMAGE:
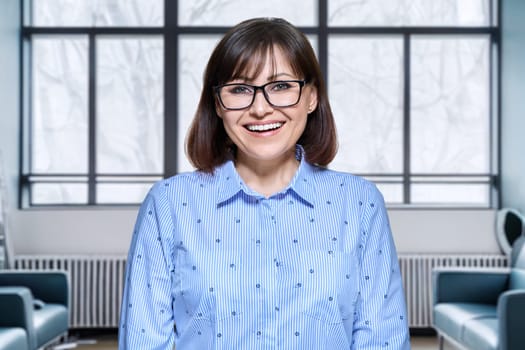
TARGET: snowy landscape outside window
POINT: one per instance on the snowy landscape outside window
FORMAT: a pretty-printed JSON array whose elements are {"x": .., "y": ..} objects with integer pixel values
[{"x": 110, "y": 87}]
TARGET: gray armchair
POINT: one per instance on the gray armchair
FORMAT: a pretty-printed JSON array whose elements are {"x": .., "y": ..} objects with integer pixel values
[
  {"x": 36, "y": 303},
  {"x": 482, "y": 309}
]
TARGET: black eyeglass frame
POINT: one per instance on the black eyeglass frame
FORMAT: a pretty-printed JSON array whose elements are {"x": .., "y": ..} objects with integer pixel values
[{"x": 217, "y": 90}]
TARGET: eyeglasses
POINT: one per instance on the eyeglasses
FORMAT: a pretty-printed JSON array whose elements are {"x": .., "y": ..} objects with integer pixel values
[{"x": 280, "y": 93}]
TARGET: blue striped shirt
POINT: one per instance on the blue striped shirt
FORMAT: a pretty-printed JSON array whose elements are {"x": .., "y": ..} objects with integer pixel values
[{"x": 215, "y": 265}]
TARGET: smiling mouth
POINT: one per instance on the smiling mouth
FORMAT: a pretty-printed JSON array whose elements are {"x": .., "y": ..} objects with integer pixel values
[{"x": 264, "y": 127}]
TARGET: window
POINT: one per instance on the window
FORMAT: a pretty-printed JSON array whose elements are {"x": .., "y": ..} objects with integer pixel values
[{"x": 110, "y": 88}]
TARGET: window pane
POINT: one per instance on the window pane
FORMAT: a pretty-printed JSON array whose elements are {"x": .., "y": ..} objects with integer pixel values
[
  {"x": 461, "y": 13},
  {"x": 46, "y": 193},
  {"x": 451, "y": 194},
  {"x": 122, "y": 193},
  {"x": 59, "y": 104},
  {"x": 228, "y": 13},
  {"x": 366, "y": 91},
  {"x": 130, "y": 105},
  {"x": 450, "y": 129},
  {"x": 88, "y": 13},
  {"x": 194, "y": 52},
  {"x": 392, "y": 193}
]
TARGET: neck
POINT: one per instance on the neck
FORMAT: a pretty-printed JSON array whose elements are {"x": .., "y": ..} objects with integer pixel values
[{"x": 267, "y": 177}]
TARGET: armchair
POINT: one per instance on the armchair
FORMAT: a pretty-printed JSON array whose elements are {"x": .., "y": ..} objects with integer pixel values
[
  {"x": 35, "y": 302},
  {"x": 15, "y": 303},
  {"x": 482, "y": 309}
]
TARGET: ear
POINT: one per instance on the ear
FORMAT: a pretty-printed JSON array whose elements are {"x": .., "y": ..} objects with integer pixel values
[
  {"x": 312, "y": 99},
  {"x": 218, "y": 109}
]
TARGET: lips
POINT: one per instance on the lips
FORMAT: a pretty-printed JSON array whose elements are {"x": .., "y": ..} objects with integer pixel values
[{"x": 264, "y": 127}]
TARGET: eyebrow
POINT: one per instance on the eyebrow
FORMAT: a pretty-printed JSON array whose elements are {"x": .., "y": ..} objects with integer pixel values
[
  {"x": 275, "y": 76},
  {"x": 270, "y": 78}
]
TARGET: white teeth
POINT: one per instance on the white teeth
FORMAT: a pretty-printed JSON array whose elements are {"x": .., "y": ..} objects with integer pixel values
[{"x": 264, "y": 127}]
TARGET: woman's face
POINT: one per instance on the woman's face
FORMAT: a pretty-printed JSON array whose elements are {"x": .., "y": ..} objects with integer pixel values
[{"x": 261, "y": 131}]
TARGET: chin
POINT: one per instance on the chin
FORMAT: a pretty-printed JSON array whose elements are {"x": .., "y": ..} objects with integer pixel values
[{"x": 261, "y": 155}]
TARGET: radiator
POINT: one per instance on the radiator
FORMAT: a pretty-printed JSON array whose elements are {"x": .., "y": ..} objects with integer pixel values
[
  {"x": 97, "y": 283},
  {"x": 417, "y": 280}
]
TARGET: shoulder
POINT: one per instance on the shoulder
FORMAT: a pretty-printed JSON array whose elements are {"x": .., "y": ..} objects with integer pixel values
[
  {"x": 356, "y": 191},
  {"x": 192, "y": 186},
  {"x": 329, "y": 178}
]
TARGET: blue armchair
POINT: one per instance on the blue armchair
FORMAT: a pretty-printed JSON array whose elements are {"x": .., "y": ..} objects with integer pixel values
[
  {"x": 36, "y": 303},
  {"x": 15, "y": 306},
  {"x": 482, "y": 309}
]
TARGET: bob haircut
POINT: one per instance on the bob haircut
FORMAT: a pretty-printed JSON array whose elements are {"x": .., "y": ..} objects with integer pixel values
[{"x": 244, "y": 50}]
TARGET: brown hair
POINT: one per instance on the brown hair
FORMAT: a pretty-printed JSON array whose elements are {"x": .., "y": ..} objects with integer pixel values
[{"x": 245, "y": 47}]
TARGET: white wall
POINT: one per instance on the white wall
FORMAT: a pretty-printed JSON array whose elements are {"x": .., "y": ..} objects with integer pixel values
[
  {"x": 513, "y": 106},
  {"x": 9, "y": 98},
  {"x": 99, "y": 231},
  {"x": 9, "y": 93}
]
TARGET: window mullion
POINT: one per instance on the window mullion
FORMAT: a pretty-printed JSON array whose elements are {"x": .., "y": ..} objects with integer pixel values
[
  {"x": 406, "y": 120},
  {"x": 92, "y": 178},
  {"x": 322, "y": 40}
]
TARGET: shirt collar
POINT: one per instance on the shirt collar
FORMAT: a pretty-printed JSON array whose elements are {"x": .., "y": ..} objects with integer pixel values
[{"x": 231, "y": 184}]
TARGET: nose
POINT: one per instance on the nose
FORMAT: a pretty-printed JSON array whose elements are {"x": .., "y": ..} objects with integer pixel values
[{"x": 260, "y": 106}]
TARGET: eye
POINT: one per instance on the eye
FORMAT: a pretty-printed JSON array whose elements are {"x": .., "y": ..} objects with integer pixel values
[
  {"x": 280, "y": 86},
  {"x": 239, "y": 89}
]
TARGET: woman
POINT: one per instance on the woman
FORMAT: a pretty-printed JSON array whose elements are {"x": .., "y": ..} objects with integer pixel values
[{"x": 263, "y": 247}]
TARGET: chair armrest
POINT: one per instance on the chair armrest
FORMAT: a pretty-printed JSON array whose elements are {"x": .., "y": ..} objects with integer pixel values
[
  {"x": 469, "y": 285},
  {"x": 49, "y": 286},
  {"x": 511, "y": 308},
  {"x": 16, "y": 304}
]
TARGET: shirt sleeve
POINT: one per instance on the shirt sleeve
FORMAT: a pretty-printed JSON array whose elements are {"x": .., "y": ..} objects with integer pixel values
[
  {"x": 380, "y": 318},
  {"x": 146, "y": 320}
]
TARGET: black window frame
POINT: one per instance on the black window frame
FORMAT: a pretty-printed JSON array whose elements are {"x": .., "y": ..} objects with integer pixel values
[{"x": 171, "y": 31}]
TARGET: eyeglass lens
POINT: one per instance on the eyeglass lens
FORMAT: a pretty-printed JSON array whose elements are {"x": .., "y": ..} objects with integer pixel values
[{"x": 283, "y": 93}]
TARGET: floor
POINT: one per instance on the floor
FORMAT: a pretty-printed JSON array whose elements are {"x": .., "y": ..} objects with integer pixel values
[{"x": 108, "y": 342}]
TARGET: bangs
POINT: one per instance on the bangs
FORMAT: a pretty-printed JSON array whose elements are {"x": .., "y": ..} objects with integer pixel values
[{"x": 251, "y": 61}]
